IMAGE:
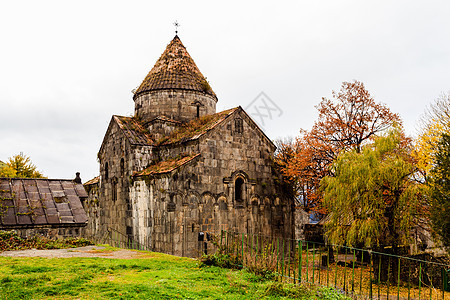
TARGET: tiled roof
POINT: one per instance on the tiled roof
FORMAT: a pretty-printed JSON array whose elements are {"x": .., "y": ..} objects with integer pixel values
[
  {"x": 94, "y": 180},
  {"x": 175, "y": 69},
  {"x": 196, "y": 128},
  {"x": 134, "y": 131},
  {"x": 38, "y": 202},
  {"x": 168, "y": 165}
]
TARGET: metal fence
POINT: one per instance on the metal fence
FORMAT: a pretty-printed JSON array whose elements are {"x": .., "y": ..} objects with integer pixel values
[
  {"x": 357, "y": 272},
  {"x": 118, "y": 239}
]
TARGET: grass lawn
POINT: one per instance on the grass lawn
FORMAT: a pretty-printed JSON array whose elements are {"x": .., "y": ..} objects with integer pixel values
[{"x": 157, "y": 276}]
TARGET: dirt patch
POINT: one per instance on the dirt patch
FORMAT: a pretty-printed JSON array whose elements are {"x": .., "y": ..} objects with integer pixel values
[{"x": 88, "y": 251}]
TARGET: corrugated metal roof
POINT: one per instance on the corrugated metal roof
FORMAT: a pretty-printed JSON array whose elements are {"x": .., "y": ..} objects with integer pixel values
[{"x": 38, "y": 202}]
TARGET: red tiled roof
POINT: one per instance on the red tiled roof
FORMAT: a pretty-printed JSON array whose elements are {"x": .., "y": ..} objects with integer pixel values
[
  {"x": 37, "y": 202},
  {"x": 168, "y": 165},
  {"x": 196, "y": 128},
  {"x": 175, "y": 69},
  {"x": 134, "y": 131}
]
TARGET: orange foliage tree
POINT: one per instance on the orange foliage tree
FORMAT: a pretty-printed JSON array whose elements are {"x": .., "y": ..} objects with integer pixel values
[{"x": 347, "y": 121}]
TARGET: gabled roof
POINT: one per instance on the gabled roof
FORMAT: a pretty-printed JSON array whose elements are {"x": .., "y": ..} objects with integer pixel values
[
  {"x": 133, "y": 130},
  {"x": 26, "y": 203},
  {"x": 196, "y": 128},
  {"x": 168, "y": 165},
  {"x": 175, "y": 69}
]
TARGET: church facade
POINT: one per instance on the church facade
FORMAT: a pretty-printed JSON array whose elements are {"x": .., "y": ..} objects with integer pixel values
[{"x": 178, "y": 168}]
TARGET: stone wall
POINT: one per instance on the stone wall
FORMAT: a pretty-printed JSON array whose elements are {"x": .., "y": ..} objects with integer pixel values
[
  {"x": 179, "y": 105},
  {"x": 170, "y": 210}
]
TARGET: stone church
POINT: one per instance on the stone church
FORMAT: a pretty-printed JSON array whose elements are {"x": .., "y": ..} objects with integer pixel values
[{"x": 178, "y": 168}]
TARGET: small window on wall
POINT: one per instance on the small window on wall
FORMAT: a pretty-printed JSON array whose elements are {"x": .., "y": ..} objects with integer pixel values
[
  {"x": 239, "y": 189},
  {"x": 114, "y": 189},
  {"x": 106, "y": 171},
  {"x": 238, "y": 126},
  {"x": 122, "y": 167}
]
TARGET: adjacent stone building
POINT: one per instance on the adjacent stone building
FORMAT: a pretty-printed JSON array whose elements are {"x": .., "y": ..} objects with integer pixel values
[
  {"x": 48, "y": 207},
  {"x": 178, "y": 168}
]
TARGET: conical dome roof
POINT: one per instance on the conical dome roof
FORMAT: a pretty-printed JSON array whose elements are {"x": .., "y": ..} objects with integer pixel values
[{"x": 175, "y": 69}]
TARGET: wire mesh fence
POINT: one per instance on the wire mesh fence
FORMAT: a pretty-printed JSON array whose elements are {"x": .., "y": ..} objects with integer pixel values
[{"x": 357, "y": 272}]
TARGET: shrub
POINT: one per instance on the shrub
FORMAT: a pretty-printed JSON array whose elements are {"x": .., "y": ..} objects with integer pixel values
[{"x": 10, "y": 240}]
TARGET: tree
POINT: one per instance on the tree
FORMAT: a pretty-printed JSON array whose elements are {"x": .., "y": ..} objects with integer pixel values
[
  {"x": 373, "y": 198},
  {"x": 435, "y": 122},
  {"x": 20, "y": 166},
  {"x": 347, "y": 122},
  {"x": 440, "y": 190}
]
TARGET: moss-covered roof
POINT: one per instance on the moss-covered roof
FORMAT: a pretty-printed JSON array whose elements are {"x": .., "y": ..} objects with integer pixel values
[
  {"x": 167, "y": 165},
  {"x": 195, "y": 128},
  {"x": 94, "y": 180},
  {"x": 134, "y": 131},
  {"x": 175, "y": 69}
]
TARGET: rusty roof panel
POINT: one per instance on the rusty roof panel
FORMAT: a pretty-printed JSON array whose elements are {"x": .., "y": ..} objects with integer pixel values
[{"x": 36, "y": 202}]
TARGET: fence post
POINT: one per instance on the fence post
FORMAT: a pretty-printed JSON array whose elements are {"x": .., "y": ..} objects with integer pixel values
[
  {"x": 328, "y": 264},
  {"x": 300, "y": 254},
  {"x": 379, "y": 275},
  {"x": 353, "y": 272},
  {"x": 388, "y": 275},
  {"x": 242, "y": 245},
  {"x": 282, "y": 262},
  {"x": 362, "y": 267},
  {"x": 420, "y": 278},
  {"x": 278, "y": 254},
  {"x": 314, "y": 255},
  {"x": 307, "y": 263},
  {"x": 345, "y": 270},
  {"x": 398, "y": 279}
]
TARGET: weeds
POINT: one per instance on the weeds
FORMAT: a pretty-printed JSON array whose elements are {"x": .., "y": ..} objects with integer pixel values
[{"x": 10, "y": 240}]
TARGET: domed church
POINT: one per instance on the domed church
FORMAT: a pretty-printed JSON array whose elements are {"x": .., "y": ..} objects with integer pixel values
[{"x": 178, "y": 170}]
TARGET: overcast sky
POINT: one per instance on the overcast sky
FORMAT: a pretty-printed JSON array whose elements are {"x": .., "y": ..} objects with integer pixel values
[{"x": 67, "y": 67}]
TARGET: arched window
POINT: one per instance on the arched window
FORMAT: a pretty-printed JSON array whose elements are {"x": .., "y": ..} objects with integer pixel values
[
  {"x": 239, "y": 189},
  {"x": 106, "y": 171},
  {"x": 122, "y": 167}
]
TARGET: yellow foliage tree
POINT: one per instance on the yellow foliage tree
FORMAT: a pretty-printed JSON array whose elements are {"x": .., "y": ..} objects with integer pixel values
[{"x": 20, "y": 166}]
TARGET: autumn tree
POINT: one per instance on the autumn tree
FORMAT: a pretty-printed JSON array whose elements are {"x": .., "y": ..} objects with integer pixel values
[
  {"x": 372, "y": 198},
  {"x": 434, "y": 123},
  {"x": 347, "y": 121},
  {"x": 20, "y": 166},
  {"x": 439, "y": 181}
]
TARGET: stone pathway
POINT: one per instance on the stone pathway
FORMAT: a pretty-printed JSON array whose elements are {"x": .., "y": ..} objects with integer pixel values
[{"x": 88, "y": 251}]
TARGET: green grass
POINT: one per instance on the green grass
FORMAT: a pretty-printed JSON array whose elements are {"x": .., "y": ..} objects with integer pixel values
[{"x": 158, "y": 276}]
